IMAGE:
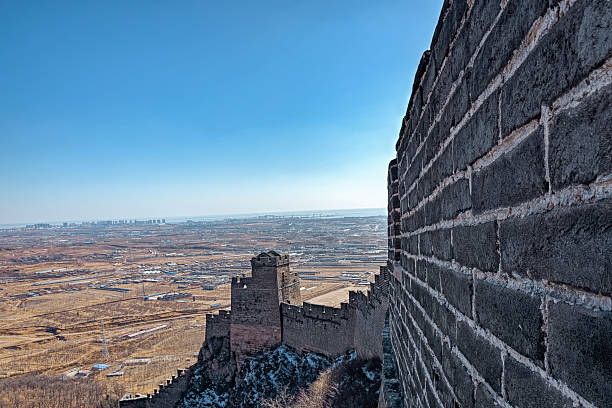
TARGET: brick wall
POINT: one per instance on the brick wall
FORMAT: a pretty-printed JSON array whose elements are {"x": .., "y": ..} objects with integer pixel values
[
  {"x": 255, "y": 318},
  {"x": 316, "y": 328},
  {"x": 370, "y": 312},
  {"x": 166, "y": 395},
  {"x": 218, "y": 325},
  {"x": 500, "y": 291},
  {"x": 357, "y": 324}
]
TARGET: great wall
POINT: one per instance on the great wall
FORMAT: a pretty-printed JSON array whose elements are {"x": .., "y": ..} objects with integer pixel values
[
  {"x": 267, "y": 311},
  {"x": 498, "y": 281},
  {"x": 500, "y": 210}
]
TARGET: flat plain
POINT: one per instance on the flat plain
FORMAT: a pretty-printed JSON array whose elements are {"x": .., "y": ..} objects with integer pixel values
[{"x": 85, "y": 294}]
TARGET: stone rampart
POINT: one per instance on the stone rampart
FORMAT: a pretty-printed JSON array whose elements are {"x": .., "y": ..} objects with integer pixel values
[
  {"x": 501, "y": 293},
  {"x": 331, "y": 331},
  {"x": 166, "y": 395},
  {"x": 218, "y": 325}
]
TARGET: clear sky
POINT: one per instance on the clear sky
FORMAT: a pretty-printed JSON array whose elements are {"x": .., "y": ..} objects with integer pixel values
[{"x": 132, "y": 109}]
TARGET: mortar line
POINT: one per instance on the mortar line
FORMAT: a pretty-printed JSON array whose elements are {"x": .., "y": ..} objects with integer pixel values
[
  {"x": 499, "y": 344},
  {"x": 558, "y": 292},
  {"x": 539, "y": 29},
  {"x": 571, "y": 196}
]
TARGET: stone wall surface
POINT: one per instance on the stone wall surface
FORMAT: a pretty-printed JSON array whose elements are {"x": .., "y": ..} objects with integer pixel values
[
  {"x": 500, "y": 209},
  {"x": 255, "y": 317},
  {"x": 166, "y": 395},
  {"x": 332, "y": 331}
]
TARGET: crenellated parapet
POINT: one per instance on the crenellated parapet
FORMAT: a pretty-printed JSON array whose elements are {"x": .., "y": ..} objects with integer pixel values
[
  {"x": 218, "y": 325},
  {"x": 166, "y": 394},
  {"x": 332, "y": 330}
]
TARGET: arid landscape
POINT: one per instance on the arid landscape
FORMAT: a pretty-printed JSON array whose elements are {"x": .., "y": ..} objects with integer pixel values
[{"x": 132, "y": 298}]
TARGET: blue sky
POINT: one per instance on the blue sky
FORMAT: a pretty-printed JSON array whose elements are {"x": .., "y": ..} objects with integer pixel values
[{"x": 132, "y": 109}]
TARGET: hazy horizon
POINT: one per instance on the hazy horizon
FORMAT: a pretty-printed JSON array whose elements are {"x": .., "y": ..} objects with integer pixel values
[
  {"x": 111, "y": 109},
  {"x": 326, "y": 213}
]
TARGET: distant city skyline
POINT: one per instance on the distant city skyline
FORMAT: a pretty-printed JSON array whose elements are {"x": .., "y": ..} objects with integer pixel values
[
  {"x": 153, "y": 110},
  {"x": 173, "y": 219}
]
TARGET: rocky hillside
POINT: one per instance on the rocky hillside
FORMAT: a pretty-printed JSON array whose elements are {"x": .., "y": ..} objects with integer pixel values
[{"x": 281, "y": 377}]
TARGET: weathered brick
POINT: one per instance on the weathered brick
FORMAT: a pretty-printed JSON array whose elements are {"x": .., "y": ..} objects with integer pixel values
[
  {"x": 528, "y": 389},
  {"x": 456, "y": 108},
  {"x": 433, "y": 275},
  {"x": 414, "y": 169},
  {"x": 433, "y": 212},
  {"x": 457, "y": 288},
  {"x": 441, "y": 244},
  {"x": 454, "y": 199},
  {"x": 421, "y": 271},
  {"x": 434, "y": 142},
  {"x": 484, "y": 398},
  {"x": 413, "y": 244},
  {"x": 482, "y": 354},
  {"x": 448, "y": 29},
  {"x": 413, "y": 199},
  {"x": 580, "y": 350},
  {"x": 481, "y": 18},
  {"x": 476, "y": 246},
  {"x": 478, "y": 135},
  {"x": 433, "y": 342},
  {"x": 581, "y": 141},
  {"x": 513, "y": 316},
  {"x": 445, "y": 320},
  {"x": 567, "y": 245},
  {"x": 426, "y": 246},
  {"x": 458, "y": 376},
  {"x": 513, "y": 25},
  {"x": 579, "y": 42},
  {"x": 429, "y": 77},
  {"x": 515, "y": 177}
]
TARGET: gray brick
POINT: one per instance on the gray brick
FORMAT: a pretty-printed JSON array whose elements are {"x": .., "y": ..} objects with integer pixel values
[
  {"x": 484, "y": 398},
  {"x": 580, "y": 350},
  {"x": 478, "y": 135},
  {"x": 505, "y": 37},
  {"x": 434, "y": 142},
  {"x": 414, "y": 170},
  {"x": 567, "y": 245},
  {"x": 433, "y": 212},
  {"x": 421, "y": 271},
  {"x": 528, "y": 389},
  {"x": 481, "y": 18},
  {"x": 445, "y": 321},
  {"x": 447, "y": 30},
  {"x": 457, "y": 288},
  {"x": 515, "y": 177},
  {"x": 426, "y": 246},
  {"x": 433, "y": 275},
  {"x": 441, "y": 244},
  {"x": 454, "y": 199},
  {"x": 459, "y": 377},
  {"x": 476, "y": 246},
  {"x": 581, "y": 141},
  {"x": 513, "y": 316},
  {"x": 483, "y": 355},
  {"x": 430, "y": 77},
  {"x": 457, "y": 107},
  {"x": 575, "y": 45}
]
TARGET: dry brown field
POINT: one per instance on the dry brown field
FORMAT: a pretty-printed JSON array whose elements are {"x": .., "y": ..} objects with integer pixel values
[{"x": 51, "y": 322}]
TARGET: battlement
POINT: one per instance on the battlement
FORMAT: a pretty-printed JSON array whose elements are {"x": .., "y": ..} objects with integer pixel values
[
  {"x": 224, "y": 315},
  {"x": 166, "y": 395},
  {"x": 318, "y": 312},
  {"x": 218, "y": 325},
  {"x": 332, "y": 330},
  {"x": 241, "y": 282},
  {"x": 269, "y": 258}
]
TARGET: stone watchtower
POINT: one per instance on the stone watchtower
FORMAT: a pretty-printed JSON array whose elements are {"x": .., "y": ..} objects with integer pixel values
[{"x": 256, "y": 320}]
